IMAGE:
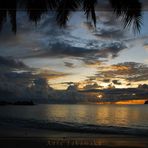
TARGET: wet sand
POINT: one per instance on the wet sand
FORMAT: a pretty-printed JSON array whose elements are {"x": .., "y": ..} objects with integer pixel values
[
  {"x": 103, "y": 142},
  {"x": 34, "y": 138}
]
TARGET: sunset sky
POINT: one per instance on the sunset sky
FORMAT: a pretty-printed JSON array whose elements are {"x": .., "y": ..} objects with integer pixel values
[
  {"x": 89, "y": 57},
  {"x": 74, "y": 68}
]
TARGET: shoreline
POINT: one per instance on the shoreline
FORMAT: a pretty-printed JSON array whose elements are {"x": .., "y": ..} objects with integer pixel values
[
  {"x": 26, "y": 137},
  {"x": 101, "y": 142}
]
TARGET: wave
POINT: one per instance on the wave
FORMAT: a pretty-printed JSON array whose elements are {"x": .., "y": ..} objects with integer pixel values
[{"x": 71, "y": 127}]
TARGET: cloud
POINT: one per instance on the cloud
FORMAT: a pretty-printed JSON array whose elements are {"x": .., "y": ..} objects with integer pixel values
[
  {"x": 29, "y": 36},
  {"x": 113, "y": 49},
  {"x": 143, "y": 86},
  {"x": 130, "y": 71},
  {"x": 109, "y": 27},
  {"x": 69, "y": 83},
  {"x": 88, "y": 25},
  {"x": 18, "y": 80},
  {"x": 129, "y": 84},
  {"x": 65, "y": 50},
  {"x": 116, "y": 82},
  {"x": 135, "y": 72},
  {"x": 50, "y": 74},
  {"x": 11, "y": 63},
  {"x": 48, "y": 40},
  {"x": 122, "y": 74},
  {"x": 92, "y": 86},
  {"x": 108, "y": 33},
  {"x": 106, "y": 80},
  {"x": 69, "y": 65},
  {"x": 14, "y": 72}
]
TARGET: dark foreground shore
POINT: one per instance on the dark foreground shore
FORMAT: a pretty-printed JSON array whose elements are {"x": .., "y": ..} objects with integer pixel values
[
  {"x": 29, "y": 138},
  {"x": 108, "y": 142},
  {"x": 35, "y": 138}
]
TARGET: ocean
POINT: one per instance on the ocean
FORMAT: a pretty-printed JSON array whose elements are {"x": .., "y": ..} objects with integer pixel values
[{"x": 89, "y": 118}]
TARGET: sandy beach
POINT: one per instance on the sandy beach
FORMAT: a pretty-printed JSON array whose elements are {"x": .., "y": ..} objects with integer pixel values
[
  {"x": 27, "y": 137},
  {"x": 101, "y": 142}
]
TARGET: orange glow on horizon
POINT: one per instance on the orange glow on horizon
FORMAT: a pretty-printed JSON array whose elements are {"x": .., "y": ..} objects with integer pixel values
[
  {"x": 125, "y": 102},
  {"x": 131, "y": 102}
]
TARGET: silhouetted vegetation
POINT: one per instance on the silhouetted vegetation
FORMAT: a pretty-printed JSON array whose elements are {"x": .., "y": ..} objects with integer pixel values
[
  {"x": 16, "y": 103},
  {"x": 23, "y": 103},
  {"x": 129, "y": 10}
]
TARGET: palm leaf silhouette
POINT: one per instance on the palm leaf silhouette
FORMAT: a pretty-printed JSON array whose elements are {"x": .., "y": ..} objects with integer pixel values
[
  {"x": 129, "y": 10},
  {"x": 8, "y": 8},
  {"x": 36, "y": 9},
  {"x": 89, "y": 9},
  {"x": 64, "y": 9},
  {"x": 12, "y": 14}
]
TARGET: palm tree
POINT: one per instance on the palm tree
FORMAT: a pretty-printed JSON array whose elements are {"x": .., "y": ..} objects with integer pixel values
[{"x": 128, "y": 10}]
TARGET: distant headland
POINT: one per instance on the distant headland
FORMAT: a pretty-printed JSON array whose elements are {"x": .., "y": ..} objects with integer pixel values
[{"x": 17, "y": 103}]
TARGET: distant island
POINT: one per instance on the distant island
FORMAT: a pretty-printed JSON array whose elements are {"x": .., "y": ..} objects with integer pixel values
[{"x": 17, "y": 103}]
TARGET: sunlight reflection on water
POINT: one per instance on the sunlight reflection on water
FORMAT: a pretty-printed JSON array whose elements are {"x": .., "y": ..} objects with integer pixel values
[{"x": 110, "y": 115}]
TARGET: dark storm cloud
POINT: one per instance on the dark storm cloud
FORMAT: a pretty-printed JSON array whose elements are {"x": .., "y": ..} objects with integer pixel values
[
  {"x": 11, "y": 63},
  {"x": 30, "y": 37},
  {"x": 18, "y": 81},
  {"x": 18, "y": 72},
  {"x": 15, "y": 76},
  {"x": 48, "y": 40},
  {"x": 13, "y": 69},
  {"x": 66, "y": 50}
]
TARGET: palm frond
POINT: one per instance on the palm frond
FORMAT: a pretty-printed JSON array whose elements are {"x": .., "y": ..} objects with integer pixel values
[
  {"x": 35, "y": 9},
  {"x": 130, "y": 11},
  {"x": 64, "y": 9},
  {"x": 8, "y": 8},
  {"x": 52, "y": 4},
  {"x": 3, "y": 15},
  {"x": 12, "y": 14},
  {"x": 89, "y": 9}
]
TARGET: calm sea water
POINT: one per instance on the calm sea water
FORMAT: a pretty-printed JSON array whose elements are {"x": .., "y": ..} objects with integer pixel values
[{"x": 102, "y": 115}]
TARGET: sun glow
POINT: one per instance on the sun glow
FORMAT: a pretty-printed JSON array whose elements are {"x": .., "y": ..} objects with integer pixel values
[
  {"x": 131, "y": 102},
  {"x": 100, "y": 96},
  {"x": 126, "y": 102}
]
